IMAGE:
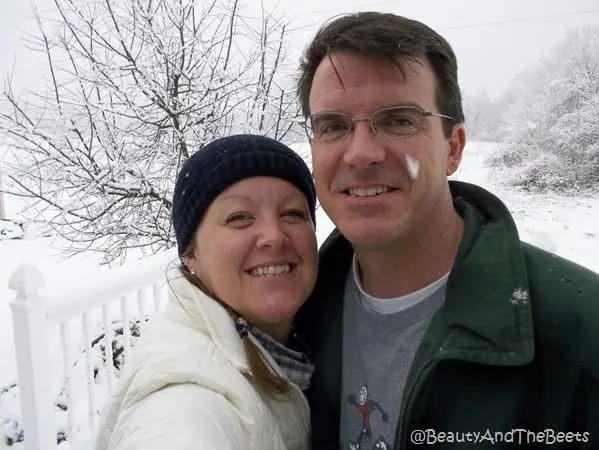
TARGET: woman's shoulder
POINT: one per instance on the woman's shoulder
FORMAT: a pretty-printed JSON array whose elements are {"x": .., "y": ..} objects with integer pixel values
[
  {"x": 169, "y": 341},
  {"x": 170, "y": 353}
]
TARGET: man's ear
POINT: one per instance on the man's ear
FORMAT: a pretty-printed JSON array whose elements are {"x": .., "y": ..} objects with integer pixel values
[{"x": 457, "y": 141}]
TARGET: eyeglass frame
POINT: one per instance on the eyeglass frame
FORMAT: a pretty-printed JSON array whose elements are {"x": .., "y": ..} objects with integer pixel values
[{"x": 370, "y": 121}]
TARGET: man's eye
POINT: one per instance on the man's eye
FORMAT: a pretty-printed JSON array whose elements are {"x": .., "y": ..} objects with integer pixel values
[
  {"x": 333, "y": 127},
  {"x": 399, "y": 120},
  {"x": 326, "y": 126}
]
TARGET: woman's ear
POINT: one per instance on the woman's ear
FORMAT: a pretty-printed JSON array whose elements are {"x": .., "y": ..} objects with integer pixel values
[{"x": 189, "y": 260}]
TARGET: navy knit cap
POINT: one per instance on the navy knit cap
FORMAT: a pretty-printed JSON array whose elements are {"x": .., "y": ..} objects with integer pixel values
[{"x": 225, "y": 161}]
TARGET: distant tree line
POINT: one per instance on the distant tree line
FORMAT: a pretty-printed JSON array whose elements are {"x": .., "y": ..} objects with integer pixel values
[{"x": 547, "y": 121}]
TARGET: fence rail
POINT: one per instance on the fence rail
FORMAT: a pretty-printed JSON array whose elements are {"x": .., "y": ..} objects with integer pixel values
[{"x": 69, "y": 351}]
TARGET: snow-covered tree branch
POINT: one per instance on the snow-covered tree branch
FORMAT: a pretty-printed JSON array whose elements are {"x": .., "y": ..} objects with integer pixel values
[
  {"x": 134, "y": 87},
  {"x": 550, "y": 126}
]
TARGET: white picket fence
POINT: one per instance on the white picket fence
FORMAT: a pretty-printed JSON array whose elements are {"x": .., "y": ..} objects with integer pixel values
[{"x": 59, "y": 373}]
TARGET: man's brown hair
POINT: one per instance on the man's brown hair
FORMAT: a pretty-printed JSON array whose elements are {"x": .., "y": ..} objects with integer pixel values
[{"x": 390, "y": 38}]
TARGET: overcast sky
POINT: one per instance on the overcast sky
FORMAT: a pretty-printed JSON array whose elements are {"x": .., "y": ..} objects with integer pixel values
[{"x": 493, "y": 40}]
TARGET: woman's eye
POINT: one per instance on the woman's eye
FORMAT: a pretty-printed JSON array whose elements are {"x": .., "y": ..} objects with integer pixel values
[
  {"x": 296, "y": 213},
  {"x": 238, "y": 217}
]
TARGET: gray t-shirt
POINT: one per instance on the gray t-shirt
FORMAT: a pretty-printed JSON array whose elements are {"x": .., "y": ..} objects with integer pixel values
[{"x": 380, "y": 339}]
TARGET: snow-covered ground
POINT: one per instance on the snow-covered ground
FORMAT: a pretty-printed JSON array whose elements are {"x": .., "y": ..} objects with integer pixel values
[{"x": 566, "y": 225}]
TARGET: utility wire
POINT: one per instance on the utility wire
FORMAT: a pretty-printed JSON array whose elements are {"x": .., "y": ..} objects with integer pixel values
[
  {"x": 523, "y": 19},
  {"x": 479, "y": 25}
]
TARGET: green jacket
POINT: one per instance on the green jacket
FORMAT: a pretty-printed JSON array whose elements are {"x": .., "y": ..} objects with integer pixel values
[{"x": 515, "y": 346}]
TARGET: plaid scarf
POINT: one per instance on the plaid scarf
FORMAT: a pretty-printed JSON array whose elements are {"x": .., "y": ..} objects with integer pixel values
[{"x": 292, "y": 358}]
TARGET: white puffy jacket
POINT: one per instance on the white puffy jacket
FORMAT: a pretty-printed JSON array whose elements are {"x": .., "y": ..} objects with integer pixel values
[{"x": 187, "y": 387}]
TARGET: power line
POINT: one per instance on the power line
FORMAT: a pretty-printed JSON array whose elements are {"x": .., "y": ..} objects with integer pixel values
[
  {"x": 330, "y": 13},
  {"x": 523, "y": 19},
  {"x": 342, "y": 10},
  {"x": 479, "y": 25}
]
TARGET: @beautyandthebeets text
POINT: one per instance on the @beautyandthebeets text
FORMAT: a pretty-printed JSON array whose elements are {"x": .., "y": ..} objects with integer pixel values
[{"x": 517, "y": 436}]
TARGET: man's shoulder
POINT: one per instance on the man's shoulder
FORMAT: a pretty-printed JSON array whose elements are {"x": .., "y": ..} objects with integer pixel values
[
  {"x": 565, "y": 303},
  {"x": 555, "y": 276}
]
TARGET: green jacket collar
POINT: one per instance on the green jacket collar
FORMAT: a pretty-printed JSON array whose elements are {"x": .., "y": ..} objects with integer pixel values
[{"x": 487, "y": 315}]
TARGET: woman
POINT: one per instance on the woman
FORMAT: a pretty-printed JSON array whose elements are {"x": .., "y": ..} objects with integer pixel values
[{"x": 220, "y": 368}]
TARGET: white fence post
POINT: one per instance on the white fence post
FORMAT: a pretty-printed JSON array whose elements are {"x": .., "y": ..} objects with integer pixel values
[{"x": 30, "y": 326}]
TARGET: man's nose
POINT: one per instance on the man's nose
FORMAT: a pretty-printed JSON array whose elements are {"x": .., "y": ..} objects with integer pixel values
[{"x": 363, "y": 149}]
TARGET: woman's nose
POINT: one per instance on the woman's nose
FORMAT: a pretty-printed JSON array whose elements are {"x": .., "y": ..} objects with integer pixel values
[{"x": 272, "y": 235}]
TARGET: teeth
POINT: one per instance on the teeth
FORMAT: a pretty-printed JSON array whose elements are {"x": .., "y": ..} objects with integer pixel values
[
  {"x": 368, "y": 192},
  {"x": 271, "y": 271}
]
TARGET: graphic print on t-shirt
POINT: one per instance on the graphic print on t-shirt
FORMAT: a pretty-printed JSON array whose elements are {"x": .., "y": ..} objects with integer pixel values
[{"x": 365, "y": 407}]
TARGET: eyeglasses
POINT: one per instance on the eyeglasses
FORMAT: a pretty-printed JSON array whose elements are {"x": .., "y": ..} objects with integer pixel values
[{"x": 393, "y": 122}]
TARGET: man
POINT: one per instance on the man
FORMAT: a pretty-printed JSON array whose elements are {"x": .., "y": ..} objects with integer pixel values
[{"x": 428, "y": 305}]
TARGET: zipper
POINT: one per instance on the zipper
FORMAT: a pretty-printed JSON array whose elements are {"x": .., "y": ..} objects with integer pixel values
[{"x": 408, "y": 403}]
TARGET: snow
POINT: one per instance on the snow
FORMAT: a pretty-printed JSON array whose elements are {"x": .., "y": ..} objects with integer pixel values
[
  {"x": 519, "y": 297},
  {"x": 413, "y": 166},
  {"x": 26, "y": 279},
  {"x": 565, "y": 225},
  {"x": 10, "y": 230},
  {"x": 568, "y": 226},
  {"x": 62, "y": 281}
]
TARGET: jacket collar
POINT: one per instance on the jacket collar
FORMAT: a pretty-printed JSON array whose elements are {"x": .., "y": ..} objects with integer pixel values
[
  {"x": 487, "y": 314},
  {"x": 208, "y": 316}
]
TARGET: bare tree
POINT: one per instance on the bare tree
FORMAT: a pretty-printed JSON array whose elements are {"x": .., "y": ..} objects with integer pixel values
[
  {"x": 274, "y": 105},
  {"x": 135, "y": 86}
]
